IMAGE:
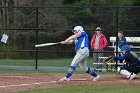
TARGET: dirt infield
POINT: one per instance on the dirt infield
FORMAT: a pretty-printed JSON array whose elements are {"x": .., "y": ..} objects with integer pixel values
[{"x": 28, "y": 81}]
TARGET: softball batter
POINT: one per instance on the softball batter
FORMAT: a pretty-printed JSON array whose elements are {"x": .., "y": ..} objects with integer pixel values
[{"x": 80, "y": 38}]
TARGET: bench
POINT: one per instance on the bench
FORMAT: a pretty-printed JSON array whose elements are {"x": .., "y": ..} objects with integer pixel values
[{"x": 128, "y": 39}]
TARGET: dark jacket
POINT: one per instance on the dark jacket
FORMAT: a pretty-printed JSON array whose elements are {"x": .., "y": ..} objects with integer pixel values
[{"x": 121, "y": 41}]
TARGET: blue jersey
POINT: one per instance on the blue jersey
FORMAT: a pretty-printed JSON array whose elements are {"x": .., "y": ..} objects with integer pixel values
[
  {"x": 81, "y": 41},
  {"x": 121, "y": 41},
  {"x": 130, "y": 59}
]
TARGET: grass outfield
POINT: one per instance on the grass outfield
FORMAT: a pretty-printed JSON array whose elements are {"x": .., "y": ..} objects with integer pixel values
[
  {"x": 48, "y": 62},
  {"x": 88, "y": 89},
  {"x": 12, "y": 64}
]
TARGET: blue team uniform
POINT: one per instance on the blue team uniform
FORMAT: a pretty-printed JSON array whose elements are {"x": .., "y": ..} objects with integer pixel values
[
  {"x": 81, "y": 41},
  {"x": 132, "y": 62},
  {"x": 82, "y": 53}
]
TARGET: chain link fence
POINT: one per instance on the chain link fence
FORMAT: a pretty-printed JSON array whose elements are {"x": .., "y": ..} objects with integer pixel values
[{"x": 28, "y": 26}]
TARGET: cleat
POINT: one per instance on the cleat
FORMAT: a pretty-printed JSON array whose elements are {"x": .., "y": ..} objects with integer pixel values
[
  {"x": 132, "y": 76},
  {"x": 127, "y": 77},
  {"x": 96, "y": 78},
  {"x": 64, "y": 79}
]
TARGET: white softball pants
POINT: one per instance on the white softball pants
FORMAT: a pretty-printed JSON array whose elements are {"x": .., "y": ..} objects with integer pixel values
[{"x": 81, "y": 58}]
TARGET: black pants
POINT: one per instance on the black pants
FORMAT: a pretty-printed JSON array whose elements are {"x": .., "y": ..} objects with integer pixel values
[{"x": 133, "y": 69}]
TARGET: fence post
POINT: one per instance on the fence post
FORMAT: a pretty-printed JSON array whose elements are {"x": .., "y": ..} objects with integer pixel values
[
  {"x": 36, "y": 30},
  {"x": 117, "y": 25}
]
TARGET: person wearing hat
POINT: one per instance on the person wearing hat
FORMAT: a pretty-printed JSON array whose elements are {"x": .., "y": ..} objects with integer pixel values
[
  {"x": 98, "y": 43},
  {"x": 80, "y": 39}
]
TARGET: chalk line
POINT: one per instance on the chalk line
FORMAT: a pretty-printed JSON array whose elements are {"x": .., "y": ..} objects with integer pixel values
[{"x": 28, "y": 84}]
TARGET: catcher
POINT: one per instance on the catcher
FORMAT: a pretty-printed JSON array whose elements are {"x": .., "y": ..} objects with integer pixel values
[{"x": 131, "y": 65}]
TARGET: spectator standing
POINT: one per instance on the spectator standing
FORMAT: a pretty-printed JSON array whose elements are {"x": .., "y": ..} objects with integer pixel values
[{"x": 98, "y": 43}]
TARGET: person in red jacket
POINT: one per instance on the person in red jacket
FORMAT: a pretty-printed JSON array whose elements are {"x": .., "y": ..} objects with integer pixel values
[{"x": 98, "y": 43}]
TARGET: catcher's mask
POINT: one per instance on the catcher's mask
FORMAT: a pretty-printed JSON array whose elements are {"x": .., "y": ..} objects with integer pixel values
[
  {"x": 126, "y": 49},
  {"x": 77, "y": 29}
]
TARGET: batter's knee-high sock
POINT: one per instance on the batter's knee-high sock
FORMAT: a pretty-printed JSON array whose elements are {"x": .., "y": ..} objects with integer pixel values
[
  {"x": 91, "y": 72},
  {"x": 70, "y": 71}
]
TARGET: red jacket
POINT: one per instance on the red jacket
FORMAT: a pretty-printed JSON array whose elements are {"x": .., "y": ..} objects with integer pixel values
[{"x": 102, "y": 42}]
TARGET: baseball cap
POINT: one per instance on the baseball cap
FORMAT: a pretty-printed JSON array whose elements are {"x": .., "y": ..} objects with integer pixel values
[
  {"x": 78, "y": 28},
  {"x": 98, "y": 29}
]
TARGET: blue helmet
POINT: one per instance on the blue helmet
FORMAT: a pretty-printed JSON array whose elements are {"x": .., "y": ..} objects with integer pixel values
[{"x": 126, "y": 48}]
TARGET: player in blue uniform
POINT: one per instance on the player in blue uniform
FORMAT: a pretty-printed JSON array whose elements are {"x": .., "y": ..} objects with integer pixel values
[
  {"x": 131, "y": 61},
  {"x": 80, "y": 38}
]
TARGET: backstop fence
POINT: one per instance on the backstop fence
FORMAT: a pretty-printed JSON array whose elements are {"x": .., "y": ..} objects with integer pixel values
[{"x": 28, "y": 26}]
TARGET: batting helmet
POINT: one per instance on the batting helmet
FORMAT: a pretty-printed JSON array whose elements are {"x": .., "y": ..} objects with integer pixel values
[
  {"x": 78, "y": 28},
  {"x": 126, "y": 48}
]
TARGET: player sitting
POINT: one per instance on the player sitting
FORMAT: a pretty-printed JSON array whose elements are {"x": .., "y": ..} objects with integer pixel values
[{"x": 131, "y": 62}]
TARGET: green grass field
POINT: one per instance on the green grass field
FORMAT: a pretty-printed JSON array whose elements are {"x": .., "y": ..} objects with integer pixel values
[
  {"x": 21, "y": 65},
  {"x": 30, "y": 65},
  {"x": 47, "y": 62},
  {"x": 88, "y": 89}
]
